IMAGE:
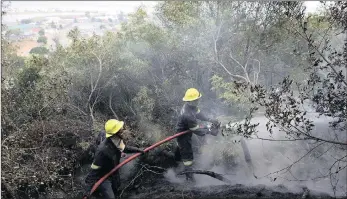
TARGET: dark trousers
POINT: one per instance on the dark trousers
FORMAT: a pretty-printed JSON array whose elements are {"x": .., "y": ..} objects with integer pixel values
[
  {"x": 188, "y": 164},
  {"x": 107, "y": 190}
]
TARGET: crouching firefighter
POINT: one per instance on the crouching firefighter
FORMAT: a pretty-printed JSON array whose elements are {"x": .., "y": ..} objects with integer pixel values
[
  {"x": 187, "y": 120},
  {"x": 108, "y": 156}
]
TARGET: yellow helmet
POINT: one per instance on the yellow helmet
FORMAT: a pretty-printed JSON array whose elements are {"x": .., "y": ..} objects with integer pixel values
[
  {"x": 191, "y": 95},
  {"x": 112, "y": 127}
]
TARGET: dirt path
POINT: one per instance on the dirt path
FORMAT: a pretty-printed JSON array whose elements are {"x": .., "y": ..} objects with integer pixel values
[{"x": 25, "y": 46}]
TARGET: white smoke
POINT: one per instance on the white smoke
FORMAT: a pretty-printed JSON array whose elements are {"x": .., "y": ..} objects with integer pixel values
[{"x": 222, "y": 155}]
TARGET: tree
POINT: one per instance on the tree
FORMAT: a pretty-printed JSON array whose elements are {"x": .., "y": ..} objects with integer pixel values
[
  {"x": 34, "y": 95},
  {"x": 74, "y": 35},
  {"x": 53, "y": 25},
  {"x": 42, "y": 39},
  {"x": 285, "y": 106},
  {"x": 42, "y": 32},
  {"x": 16, "y": 32},
  {"x": 56, "y": 40},
  {"x": 246, "y": 61},
  {"x": 224, "y": 31},
  {"x": 39, "y": 50},
  {"x": 236, "y": 53},
  {"x": 121, "y": 17}
]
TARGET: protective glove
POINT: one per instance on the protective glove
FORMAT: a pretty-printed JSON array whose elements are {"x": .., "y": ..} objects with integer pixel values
[{"x": 138, "y": 150}]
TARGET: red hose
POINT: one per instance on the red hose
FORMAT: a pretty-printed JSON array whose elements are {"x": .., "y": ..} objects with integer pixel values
[{"x": 97, "y": 184}]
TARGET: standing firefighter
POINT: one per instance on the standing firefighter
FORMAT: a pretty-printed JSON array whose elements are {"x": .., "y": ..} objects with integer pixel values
[
  {"x": 108, "y": 156},
  {"x": 187, "y": 120}
]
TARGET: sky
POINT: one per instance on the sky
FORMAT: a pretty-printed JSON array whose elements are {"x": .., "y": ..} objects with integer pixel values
[
  {"x": 106, "y": 6},
  {"x": 311, "y": 6}
]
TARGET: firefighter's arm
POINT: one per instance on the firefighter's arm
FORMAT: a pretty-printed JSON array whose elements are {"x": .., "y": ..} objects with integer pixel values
[
  {"x": 196, "y": 128},
  {"x": 200, "y": 131},
  {"x": 132, "y": 149},
  {"x": 203, "y": 117},
  {"x": 203, "y": 130},
  {"x": 128, "y": 149},
  {"x": 101, "y": 137},
  {"x": 97, "y": 162}
]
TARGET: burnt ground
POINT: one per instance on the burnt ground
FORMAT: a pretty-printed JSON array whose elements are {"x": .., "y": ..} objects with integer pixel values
[
  {"x": 156, "y": 186},
  {"x": 164, "y": 189},
  {"x": 151, "y": 185}
]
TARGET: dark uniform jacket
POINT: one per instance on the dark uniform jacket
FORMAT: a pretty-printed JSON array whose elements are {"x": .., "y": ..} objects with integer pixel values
[
  {"x": 107, "y": 156},
  {"x": 187, "y": 120},
  {"x": 101, "y": 137}
]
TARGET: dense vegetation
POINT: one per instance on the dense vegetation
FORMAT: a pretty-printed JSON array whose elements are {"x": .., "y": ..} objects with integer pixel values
[
  {"x": 243, "y": 57},
  {"x": 41, "y": 50}
]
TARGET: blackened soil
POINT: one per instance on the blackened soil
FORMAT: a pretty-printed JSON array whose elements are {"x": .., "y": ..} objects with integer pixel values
[{"x": 163, "y": 189}]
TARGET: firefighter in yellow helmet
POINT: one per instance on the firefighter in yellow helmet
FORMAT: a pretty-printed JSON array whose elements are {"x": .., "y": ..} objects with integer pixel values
[
  {"x": 188, "y": 120},
  {"x": 108, "y": 156}
]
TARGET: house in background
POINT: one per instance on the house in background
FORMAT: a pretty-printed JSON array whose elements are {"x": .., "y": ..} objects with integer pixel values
[
  {"x": 53, "y": 19},
  {"x": 35, "y": 30},
  {"x": 67, "y": 22},
  {"x": 82, "y": 19},
  {"x": 29, "y": 35}
]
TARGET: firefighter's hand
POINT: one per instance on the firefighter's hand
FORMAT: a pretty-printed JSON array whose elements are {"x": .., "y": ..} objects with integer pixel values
[{"x": 123, "y": 155}]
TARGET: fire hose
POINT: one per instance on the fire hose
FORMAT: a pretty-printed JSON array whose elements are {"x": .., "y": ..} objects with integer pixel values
[{"x": 101, "y": 180}]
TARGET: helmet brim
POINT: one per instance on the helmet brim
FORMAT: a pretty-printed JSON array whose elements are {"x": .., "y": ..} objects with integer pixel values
[
  {"x": 187, "y": 99},
  {"x": 116, "y": 130}
]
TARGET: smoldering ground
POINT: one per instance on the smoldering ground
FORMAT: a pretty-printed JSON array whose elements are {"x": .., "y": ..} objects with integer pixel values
[{"x": 290, "y": 165}]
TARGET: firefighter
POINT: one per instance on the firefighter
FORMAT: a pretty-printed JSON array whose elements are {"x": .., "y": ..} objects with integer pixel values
[
  {"x": 187, "y": 120},
  {"x": 108, "y": 156}
]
